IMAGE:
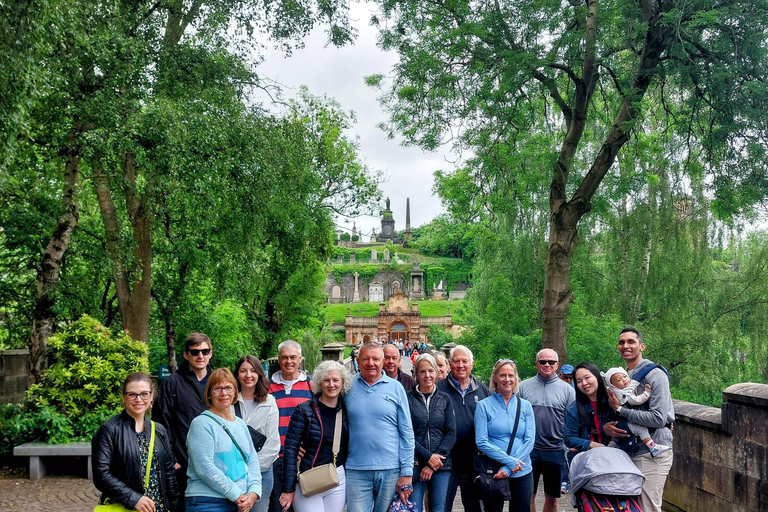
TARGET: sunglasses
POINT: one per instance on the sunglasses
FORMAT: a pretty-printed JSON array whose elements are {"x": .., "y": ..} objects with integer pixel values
[
  {"x": 550, "y": 362},
  {"x": 197, "y": 351}
]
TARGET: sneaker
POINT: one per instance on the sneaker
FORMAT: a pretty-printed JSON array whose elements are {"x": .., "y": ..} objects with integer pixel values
[
  {"x": 658, "y": 449},
  {"x": 565, "y": 487}
]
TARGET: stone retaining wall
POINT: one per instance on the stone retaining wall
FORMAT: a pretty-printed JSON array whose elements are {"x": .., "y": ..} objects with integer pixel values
[
  {"x": 14, "y": 365},
  {"x": 720, "y": 460}
]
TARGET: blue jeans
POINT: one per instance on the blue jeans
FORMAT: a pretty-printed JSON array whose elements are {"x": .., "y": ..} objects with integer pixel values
[
  {"x": 206, "y": 504},
  {"x": 267, "y": 481},
  {"x": 371, "y": 490},
  {"x": 438, "y": 490}
]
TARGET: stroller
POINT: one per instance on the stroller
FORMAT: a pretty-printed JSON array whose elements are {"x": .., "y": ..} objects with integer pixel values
[{"x": 605, "y": 480}]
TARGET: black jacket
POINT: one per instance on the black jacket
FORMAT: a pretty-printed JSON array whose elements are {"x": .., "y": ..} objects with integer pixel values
[
  {"x": 465, "y": 448},
  {"x": 116, "y": 462},
  {"x": 180, "y": 401},
  {"x": 434, "y": 430},
  {"x": 305, "y": 431}
]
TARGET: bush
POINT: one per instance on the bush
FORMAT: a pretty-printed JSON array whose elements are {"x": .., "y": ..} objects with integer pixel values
[
  {"x": 345, "y": 237},
  {"x": 79, "y": 391}
]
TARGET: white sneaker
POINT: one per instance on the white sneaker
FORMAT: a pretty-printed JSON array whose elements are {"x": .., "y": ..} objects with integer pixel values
[{"x": 658, "y": 449}]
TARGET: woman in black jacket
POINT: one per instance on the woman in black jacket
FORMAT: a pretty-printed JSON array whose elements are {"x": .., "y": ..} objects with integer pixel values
[
  {"x": 434, "y": 427},
  {"x": 312, "y": 428},
  {"x": 121, "y": 453}
]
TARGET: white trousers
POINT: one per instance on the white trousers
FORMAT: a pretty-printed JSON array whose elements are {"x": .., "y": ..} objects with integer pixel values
[
  {"x": 332, "y": 500},
  {"x": 655, "y": 470}
]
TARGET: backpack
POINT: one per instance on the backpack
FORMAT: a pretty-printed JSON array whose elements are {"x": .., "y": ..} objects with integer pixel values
[{"x": 645, "y": 370}]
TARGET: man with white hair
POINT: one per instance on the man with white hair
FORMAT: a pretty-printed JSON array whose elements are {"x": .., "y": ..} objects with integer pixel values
[
  {"x": 290, "y": 386},
  {"x": 549, "y": 396},
  {"x": 465, "y": 391}
]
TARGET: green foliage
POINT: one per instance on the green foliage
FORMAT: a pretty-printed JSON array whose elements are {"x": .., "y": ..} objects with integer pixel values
[
  {"x": 438, "y": 336},
  {"x": 90, "y": 367},
  {"x": 311, "y": 343},
  {"x": 345, "y": 237}
]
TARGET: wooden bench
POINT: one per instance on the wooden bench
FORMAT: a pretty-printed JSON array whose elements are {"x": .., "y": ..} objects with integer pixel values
[{"x": 38, "y": 451}]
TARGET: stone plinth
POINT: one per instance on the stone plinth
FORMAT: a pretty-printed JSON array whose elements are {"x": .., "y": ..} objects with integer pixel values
[{"x": 333, "y": 352}]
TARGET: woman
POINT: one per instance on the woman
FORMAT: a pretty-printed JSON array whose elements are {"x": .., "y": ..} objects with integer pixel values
[
  {"x": 494, "y": 422},
  {"x": 224, "y": 473},
  {"x": 442, "y": 366},
  {"x": 312, "y": 428},
  {"x": 259, "y": 410},
  {"x": 121, "y": 454},
  {"x": 584, "y": 419},
  {"x": 434, "y": 428}
]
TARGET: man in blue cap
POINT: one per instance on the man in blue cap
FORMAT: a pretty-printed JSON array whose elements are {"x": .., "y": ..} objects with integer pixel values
[{"x": 566, "y": 374}]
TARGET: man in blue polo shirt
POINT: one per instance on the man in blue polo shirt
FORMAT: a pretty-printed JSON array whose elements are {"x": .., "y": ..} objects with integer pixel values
[{"x": 381, "y": 440}]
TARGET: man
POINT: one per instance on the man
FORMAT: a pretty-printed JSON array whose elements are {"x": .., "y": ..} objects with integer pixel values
[
  {"x": 290, "y": 387},
  {"x": 381, "y": 440},
  {"x": 465, "y": 391},
  {"x": 181, "y": 400},
  {"x": 392, "y": 368},
  {"x": 657, "y": 414},
  {"x": 566, "y": 374},
  {"x": 549, "y": 397}
]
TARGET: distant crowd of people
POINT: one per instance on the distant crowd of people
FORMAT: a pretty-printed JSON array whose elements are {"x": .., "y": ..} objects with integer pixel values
[{"x": 220, "y": 441}]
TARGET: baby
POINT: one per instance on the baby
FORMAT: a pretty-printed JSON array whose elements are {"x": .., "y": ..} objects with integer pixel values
[{"x": 624, "y": 388}]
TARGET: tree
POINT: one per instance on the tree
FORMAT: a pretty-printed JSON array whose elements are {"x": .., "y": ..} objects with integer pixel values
[{"x": 555, "y": 90}]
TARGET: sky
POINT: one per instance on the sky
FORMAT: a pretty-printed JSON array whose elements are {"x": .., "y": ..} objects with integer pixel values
[{"x": 339, "y": 73}]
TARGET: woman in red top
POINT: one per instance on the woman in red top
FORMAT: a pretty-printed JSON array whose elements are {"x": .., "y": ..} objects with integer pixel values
[{"x": 584, "y": 419}]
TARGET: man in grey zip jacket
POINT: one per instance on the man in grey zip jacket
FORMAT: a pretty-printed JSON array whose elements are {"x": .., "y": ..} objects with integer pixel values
[
  {"x": 465, "y": 391},
  {"x": 549, "y": 396},
  {"x": 657, "y": 414}
]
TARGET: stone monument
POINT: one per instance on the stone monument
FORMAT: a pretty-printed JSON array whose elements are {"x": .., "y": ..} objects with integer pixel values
[{"x": 356, "y": 294}]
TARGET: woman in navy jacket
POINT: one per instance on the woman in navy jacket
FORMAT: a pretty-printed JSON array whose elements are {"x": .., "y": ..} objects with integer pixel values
[
  {"x": 312, "y": 428},
  {"x": 434, "y": 427},
  {"x": 584, "y": 419}
]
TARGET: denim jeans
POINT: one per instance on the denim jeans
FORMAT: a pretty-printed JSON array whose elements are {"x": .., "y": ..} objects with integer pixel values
[
  {"x": 206, "y": 504},
  {"x": 371, "y": 490},
  {"x": 469, "y": 498},
  {"x": 267, "y": 481},
  {"x": 438, "y": 490}
]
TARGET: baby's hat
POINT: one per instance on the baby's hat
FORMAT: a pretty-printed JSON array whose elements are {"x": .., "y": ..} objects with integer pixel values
[{"x": 613, "y": 371}]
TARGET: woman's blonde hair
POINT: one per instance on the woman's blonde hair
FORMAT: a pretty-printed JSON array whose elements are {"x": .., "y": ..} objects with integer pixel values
[{"x": 497, "y": 368}]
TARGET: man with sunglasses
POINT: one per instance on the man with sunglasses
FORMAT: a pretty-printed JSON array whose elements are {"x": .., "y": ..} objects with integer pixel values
[
  {"x": 549, "y": 396},
  {"x": 181, "y": 400}
]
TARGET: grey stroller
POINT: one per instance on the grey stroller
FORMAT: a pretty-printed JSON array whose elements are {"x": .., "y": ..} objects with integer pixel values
[{"x": 605, "y": 480}]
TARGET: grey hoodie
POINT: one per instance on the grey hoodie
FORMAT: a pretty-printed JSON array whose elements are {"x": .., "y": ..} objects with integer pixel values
[{"x": 658, "y": 411}]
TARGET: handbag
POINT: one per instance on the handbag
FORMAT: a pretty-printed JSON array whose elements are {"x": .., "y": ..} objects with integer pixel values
[
  {"x": 486, "y": 467},
  {"x": 257, "y": 437},
  {"x": 322, "y": 478},
  {"x": 398, "y": 506},
  {"x": 107, "y": 506}
]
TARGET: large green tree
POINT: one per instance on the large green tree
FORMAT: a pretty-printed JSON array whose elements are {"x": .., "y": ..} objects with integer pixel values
[{"x": 556, "y": 89}]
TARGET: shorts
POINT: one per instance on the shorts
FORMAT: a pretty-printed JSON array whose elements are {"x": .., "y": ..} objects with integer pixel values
[{"x": 550, "y": 464}]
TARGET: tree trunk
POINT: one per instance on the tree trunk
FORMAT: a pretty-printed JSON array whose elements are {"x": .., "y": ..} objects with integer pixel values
[
  {"x": 170, "y": 343},
  {"x": 50, "y": 268}
]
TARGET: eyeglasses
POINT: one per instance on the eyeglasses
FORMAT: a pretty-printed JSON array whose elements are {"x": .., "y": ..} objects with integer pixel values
[
  {"x": 144, "y": 395},
  {"x": 223, "y": 389},
  {"x": 550, "y": 362},
  {"x": 504, "y": 361},
  {"x": 197, "y": 351}
]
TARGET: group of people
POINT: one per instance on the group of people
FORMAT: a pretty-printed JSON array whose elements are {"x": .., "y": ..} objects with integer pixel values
[{"x": 241, "y": 442}]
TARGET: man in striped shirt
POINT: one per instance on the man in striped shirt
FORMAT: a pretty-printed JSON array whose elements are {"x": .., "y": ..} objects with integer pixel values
[{"x": 290, "y": 387}]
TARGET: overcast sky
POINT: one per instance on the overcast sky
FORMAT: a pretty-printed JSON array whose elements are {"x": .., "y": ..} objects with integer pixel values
[{"x": 339, "y": 73}]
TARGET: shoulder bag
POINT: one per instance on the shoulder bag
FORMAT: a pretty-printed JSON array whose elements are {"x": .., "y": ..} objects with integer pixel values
[
  {"x": 322, "y": 478},
  {"x": 486, "y": 467},
  {"x": 214, "y": 418},
  {"x": 108, "y": 506},
  {"x": 257, "y": 437}
]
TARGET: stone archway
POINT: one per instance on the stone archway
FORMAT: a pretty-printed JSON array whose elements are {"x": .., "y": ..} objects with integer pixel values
[{"x": 399, "y": 331}]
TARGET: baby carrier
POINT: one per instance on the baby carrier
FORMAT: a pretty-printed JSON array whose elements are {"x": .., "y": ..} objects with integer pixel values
[{"x": 605, "y": 480}]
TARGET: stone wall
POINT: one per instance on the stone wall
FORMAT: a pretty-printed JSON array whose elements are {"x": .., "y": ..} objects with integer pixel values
[
  {"x": 347, "y": 285},
  {"x": 720, "y": 460},
  {"x": 14, "y": 365}
]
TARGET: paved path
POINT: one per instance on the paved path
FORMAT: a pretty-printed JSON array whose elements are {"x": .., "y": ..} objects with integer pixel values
[{"x": 71, "y": 494}]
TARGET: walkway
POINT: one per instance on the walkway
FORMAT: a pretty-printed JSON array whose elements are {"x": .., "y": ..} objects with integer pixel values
[{"x": 71, "y": 494}]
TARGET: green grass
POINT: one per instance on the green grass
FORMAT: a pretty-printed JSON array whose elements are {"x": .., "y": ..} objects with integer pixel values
[{"x": 337, "y": 313}]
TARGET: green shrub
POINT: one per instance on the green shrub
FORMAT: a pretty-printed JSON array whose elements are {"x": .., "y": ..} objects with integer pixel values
[{"x": 91, "y": 364}]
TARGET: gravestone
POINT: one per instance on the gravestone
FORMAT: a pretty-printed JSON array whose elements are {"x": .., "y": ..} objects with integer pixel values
[
  {"x": 386, "y": 255},
  {"x": 374, "y": 256},
  {"x": 352, "y": 259},
  {"x": 340, "y": 260},
  {"x": 336, "y": 295},
  {"x": 356, "y": 294}
]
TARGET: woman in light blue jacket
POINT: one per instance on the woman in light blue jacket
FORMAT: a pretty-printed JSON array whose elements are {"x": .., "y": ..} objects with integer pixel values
[{"x": 494, "y": 422}]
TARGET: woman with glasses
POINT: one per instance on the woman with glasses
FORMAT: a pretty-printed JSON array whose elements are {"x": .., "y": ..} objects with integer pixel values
[
  {"x": 259, "y": 411},
  {"x": 224, "y": 473},
  {"x": 505, "y": 430},
  {"x": 584, "y": 419},
  {"x": 434, "y": 429},
  {"x": 125, "y": 469}
]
